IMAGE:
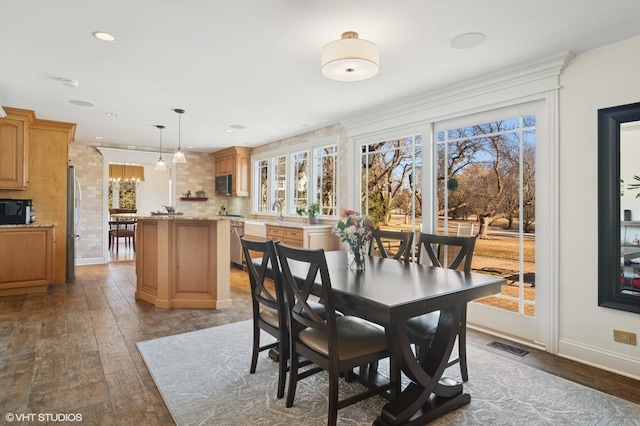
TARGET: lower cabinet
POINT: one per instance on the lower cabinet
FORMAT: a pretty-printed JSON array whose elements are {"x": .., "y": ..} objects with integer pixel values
[
  {"x": 26, "y": 259},
  {"x": 312, "y": 237}
]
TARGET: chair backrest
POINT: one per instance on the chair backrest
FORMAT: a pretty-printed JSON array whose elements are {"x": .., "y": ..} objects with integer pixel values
[
  {"x": 269, "y": 268},
  {"x": 396, "y": 244},
  {"x": 448, "y": 251},
  {"x": 308, "y": 263}
]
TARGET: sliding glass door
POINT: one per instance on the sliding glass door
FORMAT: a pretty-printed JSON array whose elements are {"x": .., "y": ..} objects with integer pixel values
[{"x": 485, "y": 169}]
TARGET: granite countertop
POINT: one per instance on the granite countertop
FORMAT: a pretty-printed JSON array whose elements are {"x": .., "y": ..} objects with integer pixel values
[
  {"x": 168, "y": 217},
  {"x": 29, "y": 225},
  {"x": 289, "y": 223},
  {"x": 298, "y": 224}
]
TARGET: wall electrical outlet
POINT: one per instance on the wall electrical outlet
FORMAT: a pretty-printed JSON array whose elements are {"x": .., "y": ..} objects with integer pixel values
[{"x": 625, "y": 337}]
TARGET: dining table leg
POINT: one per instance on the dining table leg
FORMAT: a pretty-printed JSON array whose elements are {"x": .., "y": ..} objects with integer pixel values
[{"x": 429, "y": 395}]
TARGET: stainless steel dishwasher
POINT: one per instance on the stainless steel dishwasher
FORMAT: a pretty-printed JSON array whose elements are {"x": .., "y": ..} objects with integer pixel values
[{"x": 237, "y": 230}]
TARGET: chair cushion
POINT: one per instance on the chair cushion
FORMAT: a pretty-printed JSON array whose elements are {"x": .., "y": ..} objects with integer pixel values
[
  {"x": 356, "y": 337},
  {"x": 270, "y": 316},
  {"x": 423, "y": 326}
]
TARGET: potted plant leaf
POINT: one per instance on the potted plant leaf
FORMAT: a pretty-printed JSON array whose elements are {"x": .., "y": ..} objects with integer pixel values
[{"x": 311, "y": 212}]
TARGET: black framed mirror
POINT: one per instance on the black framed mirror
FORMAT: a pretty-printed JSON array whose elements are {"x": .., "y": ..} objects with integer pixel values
[{"x": 618, "y": 246}]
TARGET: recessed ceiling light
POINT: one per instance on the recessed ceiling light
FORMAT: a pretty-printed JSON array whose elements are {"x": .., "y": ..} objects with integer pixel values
[
  {"x": 99, "y": 137},
  {"x": 237, "y": 126},
  {"x": 82, "y": 103},
  {"x": 467, "y": 40},
  {"x": 101, "y": 35},
  {"x": 111, "y": 114},
  {"x": 228, "y": 130},
  {"x": 69, "y": 82}
]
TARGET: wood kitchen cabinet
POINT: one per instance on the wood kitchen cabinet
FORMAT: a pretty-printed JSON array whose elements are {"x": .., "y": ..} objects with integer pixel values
[
  {"x": 14, "y": 149},
  {"x": 235, "y": 161},
  {"x": 44, "y": 160},
  {"x": 27, "y": 259},
  {"x": 304, "y": 236}
]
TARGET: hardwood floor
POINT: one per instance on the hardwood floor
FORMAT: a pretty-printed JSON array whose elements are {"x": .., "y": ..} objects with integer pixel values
[{"x": 72, "y": 350}]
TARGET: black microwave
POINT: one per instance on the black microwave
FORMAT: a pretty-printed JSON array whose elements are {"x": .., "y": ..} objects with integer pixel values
[
  {"x": 223, "y": 185},
  {"x": 16, "y": 212}
]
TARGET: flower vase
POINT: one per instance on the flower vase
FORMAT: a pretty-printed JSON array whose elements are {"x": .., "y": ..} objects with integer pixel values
[{"x": 356, "y": 256}]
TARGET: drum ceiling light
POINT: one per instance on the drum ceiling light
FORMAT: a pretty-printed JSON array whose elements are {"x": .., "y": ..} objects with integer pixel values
[{"x": 350, "y": 58}]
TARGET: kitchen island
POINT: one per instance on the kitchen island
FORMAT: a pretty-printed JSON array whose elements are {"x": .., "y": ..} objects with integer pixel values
[{"x": 183, "y": 262}]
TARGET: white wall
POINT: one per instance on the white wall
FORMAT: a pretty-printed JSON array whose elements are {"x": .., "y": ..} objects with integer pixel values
[
  {"x": 154, "y": 192},
  {"x": 600, "y": 78}
]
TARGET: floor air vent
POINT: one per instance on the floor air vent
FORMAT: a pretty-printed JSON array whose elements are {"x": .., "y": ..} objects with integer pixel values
[{"x": 508, "y": 348}]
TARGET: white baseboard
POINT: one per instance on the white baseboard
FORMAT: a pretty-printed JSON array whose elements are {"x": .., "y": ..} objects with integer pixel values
[
  {"x": 90, "y": 261},
  {"x": 584, "y": 354},
  {"x": 605, "y": 360}
]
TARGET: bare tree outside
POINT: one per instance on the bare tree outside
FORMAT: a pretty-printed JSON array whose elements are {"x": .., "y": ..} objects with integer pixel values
[
  {"x": 486, "y": 175},
  {"x": 391, "y": 170}
]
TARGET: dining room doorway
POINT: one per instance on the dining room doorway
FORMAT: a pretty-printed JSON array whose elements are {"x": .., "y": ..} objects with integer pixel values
[{"x": 157, "y": 190}]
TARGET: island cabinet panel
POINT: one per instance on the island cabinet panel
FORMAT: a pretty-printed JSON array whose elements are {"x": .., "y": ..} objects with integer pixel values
[
  {"x": 183, "y": 263},
  {"x": 147, "y": 258},
  {"x": 193, "y": 271},
  {"x": 26, "y": 259}
]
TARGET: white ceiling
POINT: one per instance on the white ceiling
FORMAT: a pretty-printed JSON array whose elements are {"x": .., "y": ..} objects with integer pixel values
[{"x": 256, "y": 62}]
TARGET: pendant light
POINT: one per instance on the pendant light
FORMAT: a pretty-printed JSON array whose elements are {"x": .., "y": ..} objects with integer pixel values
[
  {"x": 160, "y": 163},
  {"x": 178, "y": 156}
]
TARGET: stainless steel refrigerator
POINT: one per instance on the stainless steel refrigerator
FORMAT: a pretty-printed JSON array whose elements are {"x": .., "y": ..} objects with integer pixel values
[{"x": 74, "y": 207}]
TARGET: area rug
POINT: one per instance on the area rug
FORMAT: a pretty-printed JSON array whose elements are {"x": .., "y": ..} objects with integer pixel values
[{"x": 204, "y": 379}]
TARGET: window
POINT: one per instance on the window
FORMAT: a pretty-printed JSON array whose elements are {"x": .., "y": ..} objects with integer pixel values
[
  {"x": 327, "y": 179},
  {"x": 298, "y": 179},
  {"x": 280, "y": 175},
  {"x": 391, "y": 187},
  {"x": 123, "y": 194},
  {"x": 262, "y": 197}
]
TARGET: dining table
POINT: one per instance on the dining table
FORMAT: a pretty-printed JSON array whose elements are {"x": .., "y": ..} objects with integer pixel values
[{"x": 388, "y": 292}]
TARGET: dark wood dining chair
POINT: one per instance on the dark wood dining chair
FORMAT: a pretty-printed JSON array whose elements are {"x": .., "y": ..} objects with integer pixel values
[
  {"x": 268, "y": 305},
  {"x": 267, "y": 301},
  {"x": 394, "y": 244},
  {"x": 335, "y": 343},
  {"x": 122, "y": 228},
  {"x": 444, "y": 252}
]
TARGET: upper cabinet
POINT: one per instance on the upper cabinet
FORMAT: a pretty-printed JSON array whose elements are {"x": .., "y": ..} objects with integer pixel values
[
  {"x": 14, "y": 148},
  {"x": 235, "y": 161}
]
